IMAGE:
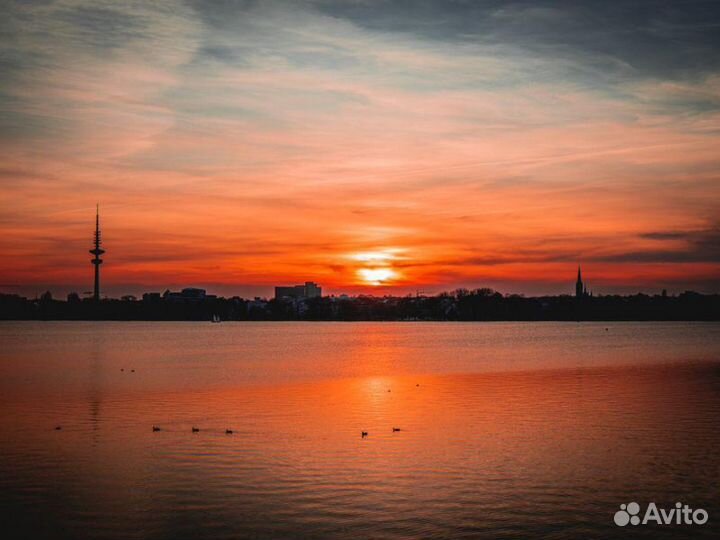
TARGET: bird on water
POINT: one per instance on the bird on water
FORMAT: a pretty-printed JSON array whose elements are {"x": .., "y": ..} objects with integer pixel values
[
  {"x": 155, "y": 428},
  {"x": 195, "y": 430},
  {"x": 228, "y": 432},
  {"x": 363, "y": 434}
]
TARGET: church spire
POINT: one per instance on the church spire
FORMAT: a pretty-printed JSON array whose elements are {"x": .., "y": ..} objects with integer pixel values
[{"x": 579, "y": 287}]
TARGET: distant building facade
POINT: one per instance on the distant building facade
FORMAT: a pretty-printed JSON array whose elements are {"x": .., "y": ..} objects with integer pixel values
[
  {"x": 309, "y": 290},
  {"x": 189, "y": 294}
]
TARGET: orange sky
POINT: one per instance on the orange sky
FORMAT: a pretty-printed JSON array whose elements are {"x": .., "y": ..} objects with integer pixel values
[{"x": 242, "y": 150}]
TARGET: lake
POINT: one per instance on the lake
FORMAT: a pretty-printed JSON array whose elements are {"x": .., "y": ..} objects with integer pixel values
[{"x": 506, "y": 430}]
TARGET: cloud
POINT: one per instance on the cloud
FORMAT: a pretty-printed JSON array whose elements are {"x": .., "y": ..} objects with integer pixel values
[
  {"x": 625, "y": 38},
  {"x": 700, "y": 246}
]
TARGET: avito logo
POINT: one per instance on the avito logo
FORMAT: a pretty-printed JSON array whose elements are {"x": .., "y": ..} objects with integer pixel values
[{"x": 680, "y": 515}]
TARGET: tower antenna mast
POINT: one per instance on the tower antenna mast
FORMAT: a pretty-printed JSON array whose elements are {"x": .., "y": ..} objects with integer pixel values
[{"x": 97, "y": 251}]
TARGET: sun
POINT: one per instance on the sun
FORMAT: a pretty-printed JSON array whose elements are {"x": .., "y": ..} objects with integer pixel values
[
  {"x": 375, "y": 267},
  {"x": 376, "y": 276}
]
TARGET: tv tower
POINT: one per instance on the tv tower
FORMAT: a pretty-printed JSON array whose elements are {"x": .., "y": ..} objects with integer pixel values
[{"x": 97, "y": 261}]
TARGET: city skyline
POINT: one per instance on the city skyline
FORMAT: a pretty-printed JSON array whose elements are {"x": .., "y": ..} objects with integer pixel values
[
  {"x": 366, "y": 147},
  {"x": 96, "y": 293}
]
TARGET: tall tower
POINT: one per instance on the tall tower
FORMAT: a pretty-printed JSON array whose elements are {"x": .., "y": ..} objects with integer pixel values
[
  {"x": 97, "y": 261},
  {"x": 579, "y": 288}
]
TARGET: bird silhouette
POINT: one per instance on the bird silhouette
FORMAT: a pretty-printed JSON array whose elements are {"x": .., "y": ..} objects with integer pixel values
[
  {"x": 155, "y": 428},
  {"x": 363, "y": 434},
  {"x": 228, "y": 432},
  {"x": 396, "y": 429},
  {"x": 195, "y": 430}
]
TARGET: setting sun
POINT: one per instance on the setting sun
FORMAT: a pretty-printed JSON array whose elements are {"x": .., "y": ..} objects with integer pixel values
[{"x": 376, "y": 276}]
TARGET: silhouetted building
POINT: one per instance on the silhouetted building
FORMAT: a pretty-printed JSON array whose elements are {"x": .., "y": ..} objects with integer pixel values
[
  {"x": 309, "y": 290},
  {"x": 192, "y": 292},
  {"x": 579, "y": 284},
  {"x": 97, "y": 251},
  {"x": 580, "y": 287},
  {"x": 188, "y": 294}
]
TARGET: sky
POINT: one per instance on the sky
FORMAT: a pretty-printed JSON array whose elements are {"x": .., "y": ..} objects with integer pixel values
[{"x": 375, "y": 147}]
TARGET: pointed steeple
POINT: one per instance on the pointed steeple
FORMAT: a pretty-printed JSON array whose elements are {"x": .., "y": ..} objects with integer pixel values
[{"x": 579, "y": 287}]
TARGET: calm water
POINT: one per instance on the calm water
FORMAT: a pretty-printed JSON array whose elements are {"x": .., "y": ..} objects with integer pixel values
[{"x": 508, "y": 430}]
